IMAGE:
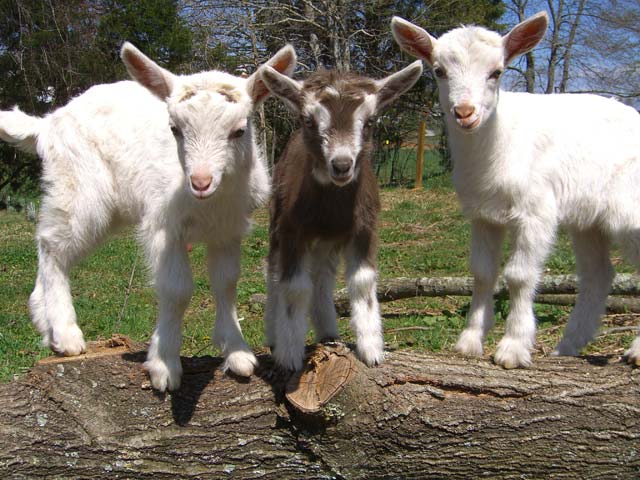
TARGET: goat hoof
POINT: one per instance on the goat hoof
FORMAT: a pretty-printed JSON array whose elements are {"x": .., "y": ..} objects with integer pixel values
[
  {"x": 241, "y": 363},
  {"x": 632, "y": 356},
  {"x": 370, "y": 351},
  {"x": 164, "y": 377},
  {"x": 291, "y": 359},
  {"x": 469, "y": 344},
  {"x": 68, "y": 341},
  {"x": 329, "y": 339},
  {"x": 512, "y": 353},
  {"x": 565, "y": 350}
]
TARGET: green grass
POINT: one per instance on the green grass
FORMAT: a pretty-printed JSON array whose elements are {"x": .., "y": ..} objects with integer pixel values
[
  {"x": 402, "y": 169},
  {"x": 422, "y": 233}
]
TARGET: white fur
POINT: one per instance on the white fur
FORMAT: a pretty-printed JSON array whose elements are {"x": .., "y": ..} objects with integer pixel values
[
  {"x": 110, "y": 159},
  {"x": 527, "y": 164},
  {"x": 365, "y": 311}
]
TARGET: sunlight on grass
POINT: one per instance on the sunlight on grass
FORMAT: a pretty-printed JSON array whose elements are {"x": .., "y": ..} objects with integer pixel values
[{"x": 422, "y": 233}]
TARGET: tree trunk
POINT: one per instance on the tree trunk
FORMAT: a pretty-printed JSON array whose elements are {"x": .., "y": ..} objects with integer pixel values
[
  {"x": 416, "y": 416},
  {"x": 568, "y": 49},
  {"x": 556, "y": 22}
]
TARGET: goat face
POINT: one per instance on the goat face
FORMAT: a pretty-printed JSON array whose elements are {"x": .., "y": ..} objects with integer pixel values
[
  {"x": 336, "y": 125},
  {"x": 208, "y": 115},
  {"x": 212, "y": 131},
  {"x": 468, "y": 63},
  {"x": 337, "y": 112}
]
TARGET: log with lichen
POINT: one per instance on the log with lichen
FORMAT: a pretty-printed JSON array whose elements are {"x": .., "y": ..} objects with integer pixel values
[{"x": 416, "y": 416}]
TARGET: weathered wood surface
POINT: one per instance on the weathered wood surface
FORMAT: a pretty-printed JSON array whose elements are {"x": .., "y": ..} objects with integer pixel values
[{"x": 417, "y": 416}]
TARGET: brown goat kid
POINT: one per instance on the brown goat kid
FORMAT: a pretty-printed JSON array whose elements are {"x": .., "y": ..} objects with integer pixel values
[{"x": 325, "y": 203}]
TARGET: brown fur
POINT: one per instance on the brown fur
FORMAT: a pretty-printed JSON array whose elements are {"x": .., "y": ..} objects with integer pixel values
[{"x": 302, "y": 209}]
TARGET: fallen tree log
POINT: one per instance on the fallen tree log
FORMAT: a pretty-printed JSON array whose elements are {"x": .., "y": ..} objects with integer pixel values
[
  {"x": 614, "y": 304},
  {"x": 416, "y": 416},
  {"x": 553, "y": 289}
]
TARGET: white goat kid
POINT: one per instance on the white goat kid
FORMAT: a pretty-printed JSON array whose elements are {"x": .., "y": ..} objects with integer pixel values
[
  {"x": 174, "y": 155},
  {"x": 526, "y": 164}
]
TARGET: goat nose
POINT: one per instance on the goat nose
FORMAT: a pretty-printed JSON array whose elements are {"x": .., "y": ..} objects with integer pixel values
[
  {"x": 341, "y": 165},
  {"x": 201, "y": 183},
  {"x": 464, "y": 111}
]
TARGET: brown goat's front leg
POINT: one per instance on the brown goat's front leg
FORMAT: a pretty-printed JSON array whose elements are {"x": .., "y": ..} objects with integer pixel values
[
  {"x": 324, "y": 263},
  {"x": 365, "y": 313},
  {"x": 289, "y": 293}
]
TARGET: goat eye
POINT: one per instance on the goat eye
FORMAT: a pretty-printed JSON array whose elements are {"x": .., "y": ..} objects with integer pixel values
[
  {"x": 439, "y": 71},
  {"x": 237, "y": 133},
  {"x": 495, "y": 74},
  {"x": 176, "y": 131},
  {"x": 307, "y": 121}
]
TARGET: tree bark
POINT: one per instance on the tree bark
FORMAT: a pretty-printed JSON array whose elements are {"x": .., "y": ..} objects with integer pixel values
[{"x": 416, "y": 416}]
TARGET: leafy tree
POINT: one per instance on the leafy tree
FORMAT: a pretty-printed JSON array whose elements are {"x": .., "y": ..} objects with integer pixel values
[{"x": 52, "y": 51}]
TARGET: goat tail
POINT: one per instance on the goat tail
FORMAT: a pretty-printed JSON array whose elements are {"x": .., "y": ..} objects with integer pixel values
[{"x": 20, "y": 130}]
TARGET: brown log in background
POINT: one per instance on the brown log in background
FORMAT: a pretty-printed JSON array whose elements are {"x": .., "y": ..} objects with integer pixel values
[
  {"x": 416, "y": 416},
  {"x": 552, "y": 289}
]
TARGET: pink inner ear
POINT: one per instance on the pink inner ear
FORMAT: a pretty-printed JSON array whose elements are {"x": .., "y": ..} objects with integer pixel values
[
  {"x": 524, "y": 38},
  {"x": 260, "y": 91},
  {"x": 140, "y": 68},
  {"x": 282, "y": 64},
  {"x": 146, "y": 75},
  {"x": 414, "y": 42}
]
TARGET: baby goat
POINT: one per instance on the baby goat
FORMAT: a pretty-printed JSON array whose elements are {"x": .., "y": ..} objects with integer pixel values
[
  {"x": 325, "y": 202},
  {"x": 527, "y": 164},
  {"x": 174, "y": 155}
]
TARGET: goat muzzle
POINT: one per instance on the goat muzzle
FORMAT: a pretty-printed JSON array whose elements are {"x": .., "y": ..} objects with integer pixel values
[
  {"x": 200, "y": 184},
  {"x": 342, "y": 169}
]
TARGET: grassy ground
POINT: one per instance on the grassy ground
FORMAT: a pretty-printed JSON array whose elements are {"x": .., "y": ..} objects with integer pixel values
[{"x": 422, "y": 234}]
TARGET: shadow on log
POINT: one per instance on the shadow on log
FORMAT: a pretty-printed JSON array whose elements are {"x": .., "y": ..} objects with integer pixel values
[{"x": 416, "y": 416}]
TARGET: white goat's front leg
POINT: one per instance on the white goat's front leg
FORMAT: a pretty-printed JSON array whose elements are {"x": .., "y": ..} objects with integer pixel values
[
  {"x": 596, "y": 274},
  {"x": 486, "y": 246},
  {"x": 630, "y": 243},
  {"x": 174, "y": 287},
  {"x": 293, "y": 293},
  {"x": 324, "y": 262},
  {"x": 224, "y": 271},
  {"x": 365, "y": 311},
  {"x": 38, "y": 311},
  {"x": 632, "y": 355},
  {"x": 532, "y": 240}
]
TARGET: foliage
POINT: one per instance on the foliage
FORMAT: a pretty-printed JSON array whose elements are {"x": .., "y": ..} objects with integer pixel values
[
  {"x": 355, "y": 36},
  {"x": 53, "y": 51}
]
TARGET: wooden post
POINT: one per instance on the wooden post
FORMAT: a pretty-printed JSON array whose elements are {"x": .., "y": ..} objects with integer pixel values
[{"x": 420, "y": 155}]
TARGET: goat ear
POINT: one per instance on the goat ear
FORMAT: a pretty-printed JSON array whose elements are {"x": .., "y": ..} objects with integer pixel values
[
  {"x": 284, "y": 62},
  {"x": 524, "y": 36},
  {"x": 393, "y": 86},
  {"x": 146, "y": 72},
  {"x": 283, "y": 87},
  {"x": 413, "y": 39}
]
